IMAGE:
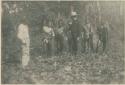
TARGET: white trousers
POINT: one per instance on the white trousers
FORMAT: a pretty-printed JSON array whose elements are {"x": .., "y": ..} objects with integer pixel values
[{"x": 25, "y": 55}]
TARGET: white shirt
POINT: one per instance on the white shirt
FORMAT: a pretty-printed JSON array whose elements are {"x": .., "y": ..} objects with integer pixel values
[
  {"x": 48, "y": 30},
  {"x": 23, "y": 33}
]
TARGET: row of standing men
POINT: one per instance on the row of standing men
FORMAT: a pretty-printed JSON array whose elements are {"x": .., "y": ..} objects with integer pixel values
[{"x": 76, "y": 38}]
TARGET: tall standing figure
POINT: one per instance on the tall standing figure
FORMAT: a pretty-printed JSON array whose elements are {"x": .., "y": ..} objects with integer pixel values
[
  {"x": 60, "y": 37},
  {"x": 75, "y": 29},
  {"x": 23, "y": 35},
  {"x": 102, "y": 32},
  {"x": 89, "y": 38}
]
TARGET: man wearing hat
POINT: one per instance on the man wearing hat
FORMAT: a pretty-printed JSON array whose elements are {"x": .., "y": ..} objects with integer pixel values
[{"x": 75, "y": 28}]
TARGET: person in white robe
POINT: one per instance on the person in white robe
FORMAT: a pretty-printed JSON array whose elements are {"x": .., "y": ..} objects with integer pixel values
[{"x": 23, "y": 35}]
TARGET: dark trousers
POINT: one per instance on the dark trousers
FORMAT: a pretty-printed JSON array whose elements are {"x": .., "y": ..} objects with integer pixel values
[
  {"x": 104, "y": 44},
  {"x": 74, "y": 44},
  {"x": 46, "y": 48},
  {"x": 59, "y": 42},
  {"x": 91, "y": 43}
]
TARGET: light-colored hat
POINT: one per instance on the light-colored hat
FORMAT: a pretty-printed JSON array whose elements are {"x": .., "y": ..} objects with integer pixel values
[{"x": 74, "y": 13}]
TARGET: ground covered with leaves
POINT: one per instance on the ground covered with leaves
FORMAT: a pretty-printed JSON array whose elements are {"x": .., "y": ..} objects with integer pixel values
[{"x": 68, "y": 69}]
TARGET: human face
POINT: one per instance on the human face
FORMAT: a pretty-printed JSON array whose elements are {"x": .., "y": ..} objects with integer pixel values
[
  {"x": 75, "y": 18},
  {"x": 88, "y": 25}
]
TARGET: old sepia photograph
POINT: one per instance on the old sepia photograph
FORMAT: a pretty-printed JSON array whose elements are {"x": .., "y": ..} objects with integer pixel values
[{"x": 62, "y": 42}]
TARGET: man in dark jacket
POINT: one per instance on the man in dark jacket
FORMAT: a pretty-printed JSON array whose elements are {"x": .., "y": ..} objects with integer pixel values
[
  {"x": 103, "y": 36},
  {"x": 75, "y": 28},
  {"x": 60, "y": 36}
]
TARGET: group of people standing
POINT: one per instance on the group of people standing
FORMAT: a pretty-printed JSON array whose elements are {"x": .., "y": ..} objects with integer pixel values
[{"x": 73, "y": 37}]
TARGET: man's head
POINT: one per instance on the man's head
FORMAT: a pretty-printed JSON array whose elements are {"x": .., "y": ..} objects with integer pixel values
[
  {"x": 88, "y": 25},
  {"x": 49, "y": 23},
  {"x": 106, "y": 24},
  {"x": 61, "y": 22}
]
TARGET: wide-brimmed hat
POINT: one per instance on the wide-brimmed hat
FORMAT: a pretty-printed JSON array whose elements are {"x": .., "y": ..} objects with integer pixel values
[{"x": 74, "y": 13}]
